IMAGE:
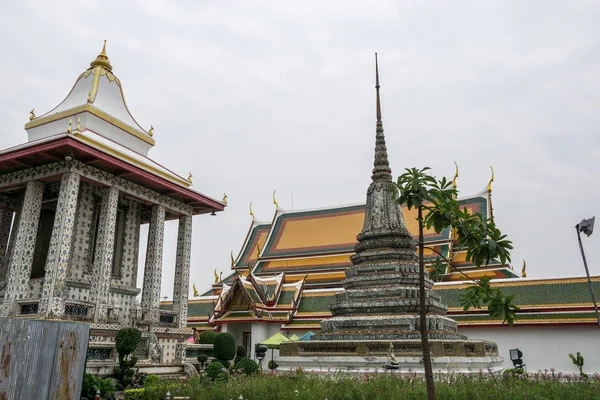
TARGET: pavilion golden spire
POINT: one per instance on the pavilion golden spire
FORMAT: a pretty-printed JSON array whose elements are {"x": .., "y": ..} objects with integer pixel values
[{"x": 102, "y": 59}]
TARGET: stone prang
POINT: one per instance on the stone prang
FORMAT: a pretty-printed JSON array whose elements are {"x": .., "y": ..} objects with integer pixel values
[{"x": 381, "y": 290}]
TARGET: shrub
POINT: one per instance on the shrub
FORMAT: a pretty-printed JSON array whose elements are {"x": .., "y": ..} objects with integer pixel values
[
  {"x": 273, "y": 365},
  {"x": 224, "y": 346},
  {"x": 126, "y": 341},
  {"x": 239, "y": 354},
  {"x": 207, "y": 337},
  {"x": 216, "y": 371},
  {"x": 202, "y": 358},
  {"x": 151, "y": 380},
  {"x": 513, "y": 371},
  {"x": 134, "y": 394},
  {"x": 91, "y": 384},
  {"x": 225, "y": 363},
  {"x": 247, "y": 366},
  {"x": 241, "y": 351}
]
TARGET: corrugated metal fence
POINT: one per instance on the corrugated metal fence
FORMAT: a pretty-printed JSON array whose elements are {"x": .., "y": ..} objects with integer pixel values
[{"x": 42, "y": 359}]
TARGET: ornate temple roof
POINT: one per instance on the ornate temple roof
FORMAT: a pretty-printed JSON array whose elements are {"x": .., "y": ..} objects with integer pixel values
[
  {"x": 542, "y": 301},
  {"x": 94, "y": 126},
  {"x": 97, "y": 101}
]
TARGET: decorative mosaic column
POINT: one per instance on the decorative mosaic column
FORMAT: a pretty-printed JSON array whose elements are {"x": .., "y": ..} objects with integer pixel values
[
  {"x": 6, "y": 216},
  {"x": 153, "y": 269},
  {"x": 103, "y": 259},
  {"x": 52, "y": 304},
  {"x": 182, "y": 269},
  {"x": 22, "y": 257}
]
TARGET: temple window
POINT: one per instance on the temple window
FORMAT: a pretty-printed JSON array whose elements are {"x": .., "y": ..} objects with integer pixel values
[{"x": 42, "y": 241}]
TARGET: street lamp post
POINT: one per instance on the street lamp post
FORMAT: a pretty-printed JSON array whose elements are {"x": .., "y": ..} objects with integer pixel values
[{"x": 587, "y": 226}]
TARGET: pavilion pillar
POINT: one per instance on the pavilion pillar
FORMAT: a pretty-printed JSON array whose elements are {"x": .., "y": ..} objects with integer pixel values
[
  {"x": 103, "y": 257},
  {"x": 6, "y": 216},
  {"x": 153, "y": 268},
  {"x": 19, "y": 271},
  {"x": 52, "y": 304},
  {"x": 182, "y": 269}
]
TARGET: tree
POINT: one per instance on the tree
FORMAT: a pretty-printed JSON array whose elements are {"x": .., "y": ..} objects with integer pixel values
[
  {"x": 225, "y": 348},
  {"x": 126, "y": 341},
  {"x": 437, "y": 207}
]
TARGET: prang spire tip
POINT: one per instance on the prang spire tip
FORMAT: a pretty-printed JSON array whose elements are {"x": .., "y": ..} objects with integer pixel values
[{"x": 377, "y": 88}]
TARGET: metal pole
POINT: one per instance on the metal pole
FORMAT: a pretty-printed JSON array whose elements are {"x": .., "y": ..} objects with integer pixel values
[{"x": 587, "y": 272}]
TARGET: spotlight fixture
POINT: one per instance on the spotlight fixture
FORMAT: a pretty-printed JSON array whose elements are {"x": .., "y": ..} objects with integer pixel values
[{"x": 516, "y": 358}]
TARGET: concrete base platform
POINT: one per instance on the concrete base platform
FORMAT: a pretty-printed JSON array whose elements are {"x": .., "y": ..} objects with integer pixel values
[
  {"x": 407, "y": 365},
  {"x": 458, "y": 356}
]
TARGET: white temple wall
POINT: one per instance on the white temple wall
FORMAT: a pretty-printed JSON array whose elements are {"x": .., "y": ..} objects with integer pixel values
[
  {"x": 545, "y": 347},
  {"x": 168, "y": 349}
]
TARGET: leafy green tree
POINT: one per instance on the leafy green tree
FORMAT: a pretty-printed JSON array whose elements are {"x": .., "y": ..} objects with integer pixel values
[
  {"x": 437, "y": 208},
  {"x": 126, "y": 341}
]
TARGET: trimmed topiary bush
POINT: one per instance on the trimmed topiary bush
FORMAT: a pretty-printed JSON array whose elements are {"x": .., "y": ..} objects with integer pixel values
[
  {"x": 224, "y": 347},
  {"x": 216, "y": 371},
  {"x": 202, "y": 358},
  {"x": 134, "y": 394},
  {"x": 247, "y": 366},
  {"x": 207, "y": 337},
  {"x": 239, "y": 354},
  {"x": 126, "y": 341}
]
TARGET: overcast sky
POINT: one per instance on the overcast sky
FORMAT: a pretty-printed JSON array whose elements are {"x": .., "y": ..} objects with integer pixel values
[{"x": 256, "y": 96}]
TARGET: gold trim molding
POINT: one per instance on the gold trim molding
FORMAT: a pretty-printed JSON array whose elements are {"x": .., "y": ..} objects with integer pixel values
[{"x": 98, "y": 113}]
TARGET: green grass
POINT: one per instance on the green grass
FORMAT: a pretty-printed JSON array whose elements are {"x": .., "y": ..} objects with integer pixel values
[{"x": 338, "y": 386}]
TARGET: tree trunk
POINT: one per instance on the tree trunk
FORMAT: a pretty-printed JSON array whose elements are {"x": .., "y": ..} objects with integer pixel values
[{"x": 422, "y": 315}]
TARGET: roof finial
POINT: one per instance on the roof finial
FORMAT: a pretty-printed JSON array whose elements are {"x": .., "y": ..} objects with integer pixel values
[
  {"x": 195, "y": 290},
  {"x": 102, "y": 59},
  {"x": 381, "y": 170},
  {"x": 524, "y": 270},
  {"x": 491, "y": 180},
  {"x": 151, "y": 131},
  {"x": 70, "y": 124},
  {"x": 225, "y": 198},
  {"x": 251, "y": 213},
  {"x": 232, "y": 260},
  {"x": 32, "y": 114},
  {"x": 454, "y": 185},
  {"x": 275, "y": 201},
  {"x": 216, "y": 276}
]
